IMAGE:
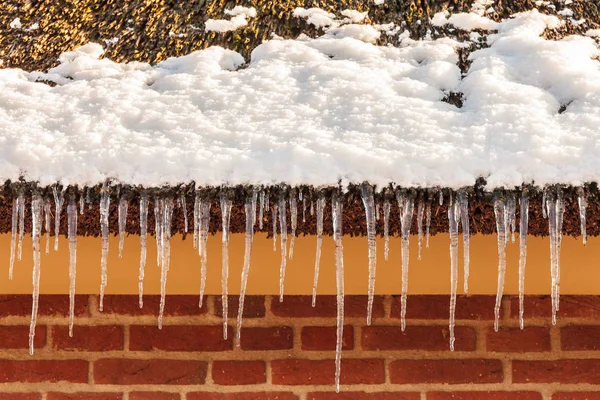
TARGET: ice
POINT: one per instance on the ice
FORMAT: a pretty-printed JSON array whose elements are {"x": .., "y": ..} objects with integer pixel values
[
  {"x": 254, "y": 203},
  {"x": 47, "y": 208},
  {"x": 320, "y": 213},
  {"x": 283, "y": 240},
  {"x": 261, "y": 212},
  {"x": 386, "y": 229},
  {"x": 441, "y": 198},
  {"x": 36, "y": 229},
  {"x": 502, "y": 225},
  {"x": 453, "y": 219},
  {"x": 303, "y": 200},
  {"x": 406, "y": 206},
  {"x": 377, "y": 211},
  {"x": 21, "y": 225},
  {"x": 72, "y": 237},
  {"x": 463, "y": 200},
  {"x": 81, "y": 203},
  {"x": 582, "y": 202},
  {"x": 158, "y": 216},
  {"x": 544, "y": 205},
  {"x": 20, "y": 198},
  {"x": 166, "y": 210},
  {"x": 196, "y": 218},
  {"x": 427, "y": 223},
  {"x": 420, "y": 213},
  {"x": 555, "y": 208},
  {"x": 183, "y": 206},
  {"x": 294, "y": 220},
  {"x": 250, "y": 209},
  {"x": 274, "y": 219},
  {"x": 104, "y": 211},
  {"x": 511, "y": 207},
  {"x": 312, "y": 208},
  {"x": 204, "y": 227},
  {"x": 143, "y": 243},
  {"x": 59, "y": 199},
  {"x": 369, "y": 204},
  {"x": 123, "y": 206},
  {"x": 337, "y": 213},
  {"x": 226, "y": 204},
  {"x": 523, "y": 226}
]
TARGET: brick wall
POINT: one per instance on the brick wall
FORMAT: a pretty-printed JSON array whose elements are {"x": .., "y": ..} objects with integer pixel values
[{"x": 287, "y": 350}]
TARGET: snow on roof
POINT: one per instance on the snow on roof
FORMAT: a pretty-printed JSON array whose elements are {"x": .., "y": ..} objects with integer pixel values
[
  {"x": 238, "y": 20},
  {"x": 315, "y": 111}
]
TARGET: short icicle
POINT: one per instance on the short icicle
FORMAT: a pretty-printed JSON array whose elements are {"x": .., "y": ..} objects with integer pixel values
[
  {"x": 47, "y": 211},
  {"x": 303, "y": 200},
  {"x": 427, "y": 223},
  {"x": 13, "y": 237},
  {"x": 249, "y": 209},
  {"x": 104, "y": 210},
  {"x": 72, "y": 237},
  {"x": 143, "y": 244},
  {"x": 21, "y": 225},
  {"x": 183, "y": 205},
  {"x": 511, "y": 209},
  {"x": 386, "y": 229},
  {"x": 406, "y": 205},
  {"x": 294, "y": 220},
  {"x": 523, "y": 226},
  {"x": 320, "y": 208},
  {"x": 166, "y": 211},
  {"x": 36, "y": 230},
  {"x": 122, "y": 218},
  {"x": 582, "y": 202},
  {"x": 204, "y": 227},
  {"x": 420, "y": 215},
  {"x": 369, "y": 204},
  {"x": 274, "y": 219},
  {"x": 261, "y": 209},
  {"x": 377, "y": 211},
  {"x": 453, "y": 219},
  {"x": 283, "y": 241},
  {"x": 337, "y": 213},
  {"x": 254, "y": 203},
  {"x": 59, "y": 200},
  {"x": 225, "y": 218},
  {"x": 81, "y": 203},
  {"x": 502, "y": 225},
  {"x": 196, "y": 219},
  {"x": 464, "y": 215}
]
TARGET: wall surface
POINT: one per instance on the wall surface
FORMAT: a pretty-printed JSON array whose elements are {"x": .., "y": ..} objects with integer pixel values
[{"x": 287, "y": 350}]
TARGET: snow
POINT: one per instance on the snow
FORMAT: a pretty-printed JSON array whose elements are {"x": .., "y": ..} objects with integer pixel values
[
  {"x": 315, "y": 111},
  {"x": 16, "y": 23},
  {"x": 593, "y": 33},
  {"x": 354, "y": 16},
  {"x": 238, "y": 20},
  {"x": 315, "y": 16}
]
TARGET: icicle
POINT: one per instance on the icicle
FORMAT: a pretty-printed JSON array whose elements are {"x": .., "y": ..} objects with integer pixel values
[
  {"x": 369, "y": 203},
  {"x": 72, "y": 236},
  {"x": 582, "y": 202},
  {"x": 254, "y": 201},
  {"x": 123, "y": 206},
  {"x": 544, "y": 195},
  {"x": 21, "y": 225},
  {"x": 88, "y": 198},
  {"x": 320, "y": 208},
  {"x": 427, "y": 223},
  {"x": 377, "y": 211},
  {"x": 225, "y": 217},
  {"x": 166, "y": 211},
  {"x": 406, "y": 205},
  {"x": 158, "y": 222},
  {"x": 196, "y": 219},
  {"x": 386, "y": 229},
  {"x": 47, "y": 208},
  {"x": 501, "y": 214},
  {"x": 36, "y": 229},
  {"x": 204, "y": 228},
  {"x": 442, "y": 198},
  {"x": 523, "y": 225},
  {"x": 59, "y": 200},
  {"x": 250, "y": 210},
  {"x": 261, "y": 211},
  {"x": 294, "y": 220},
  {"x": 336, "y": 211},
  {"x": 464, "y": 214},
  {"x": 274, "y": 218},
  {"x": 81, "y": 203},
  {"x": 312, "y": 208},
  {"x": 420, "y": 213},
  {"x": 104, "y": 210},
  {"x": 453, "y": 218},
  {"x": 303, "y": 200},
  {"x": 13, "y": 238},
  {"x": 143, "y": 237},
  {"x": 183, "y": 206},
  {"x": 283, "y": 240},
  {"x": 555, "y": 207},
  {"x": 511, "y": 206}
]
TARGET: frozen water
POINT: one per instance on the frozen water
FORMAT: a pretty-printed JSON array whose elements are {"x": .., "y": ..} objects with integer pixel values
[
  {"x": 72, "y": 237},
  {"x": 336, "y": 212},
  {"x": 320, "y": 216},
  {"x": 226, "y": 204},
  {"x": 104, "y": 211},
  {"x": 369, "y": 203},
  {"x": 143, "y": 243},
  {"x": 523, "y": 226}
]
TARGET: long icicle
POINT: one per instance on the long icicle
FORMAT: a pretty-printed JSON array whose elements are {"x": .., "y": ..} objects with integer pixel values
[
  {"x": 274, "y": 220},
  {"x": 369, "y": 203},
  {"x": 560, "y": 210},
  {"x": 550, "y": 199},
  {"x": 420, "y": 215},
  {"x": 36, "y": 230},
  {"x": 122, "y": 219},
  {"x": 523, "y": 226},
  {"x": 453, "y": 218},
  {"x": 294, "y": 220},
  {"x": 104, "y": 210},
  {"x": 464, "y": 215},
  {"x": 582, "y": 202},
  {"x": 337, "y": 213},
  {"x": 165, "y": 263},
  {"x": 501, "y": 214},
  {"x": 225, "y": 217},
  {"x": 196, "y": 218},
  {"x": 386, "y": 229},
  {"x": 183, "y": 205},
  {"x": 283, "y": 241},
  {"x": 158, "y": 216},
  {"x": 406, "y": 205},
  {"x": 59, "y": 200},
  {"x": 21, "y": 225},
  {"x": 320, "y": 208},
  {"x": 72, "y": 237},
  {"x": 250, "y": 209},
  {"x": 261, "y": 213},
  {"x": 143, "y": 244},
  {"x": 47, "y": 211},
  {"x": 13, "y": 238},
  {"x": 204, "y": 228}
]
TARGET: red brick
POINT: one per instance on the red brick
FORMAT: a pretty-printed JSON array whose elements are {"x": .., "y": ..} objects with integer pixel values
[
  {"x": 484, "y": 396},
  {"x": 151, "y": 372},
  {"x": 562, "y": 371},
  {"x": 180, "y": 338},
  {"x": 242, "y": 396},
  {"x": 429, "y": 338},
  {"x": 44, "y": 371},
  {"x": 576, "y": 396},
  {"x": 580, "y": 337},
  {"x": 570, "y": 307},
  {"x": 321, "y": 372},
  {"x": 446, "y": 371},
  {"x": 363, "y": 396},
  {"x": 477, "y": 307},
  {"x": 326, "y": 306},
  {"x": 239, "y": 372},
  {"x": 17, "y": 337},
  {"x": 88, "y": 338},
  {"x": 84, "y": 396},
  {"x": 154, "y": 396},
  {"x": 271, "y": 338},
  {"x": 175, "y": 305},
  {"x": 49, "y": 305},
  {"x": 324, "y": 338},
  {"x": 530, "y": 339},
  {"x": 20, "y": 396},
  {"x": 254, "y": 306}
]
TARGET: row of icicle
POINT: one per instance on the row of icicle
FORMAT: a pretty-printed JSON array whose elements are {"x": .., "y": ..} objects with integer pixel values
[{"x": 504, "y": 210}]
